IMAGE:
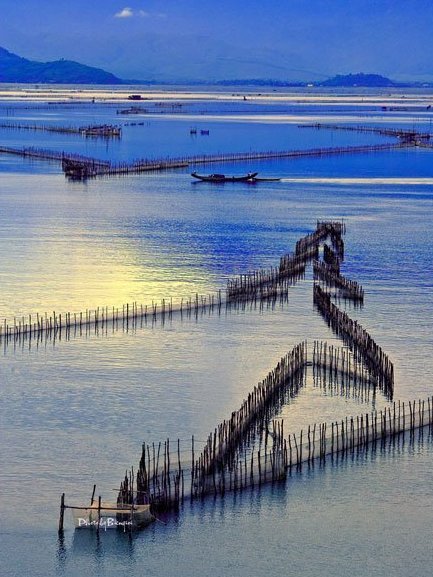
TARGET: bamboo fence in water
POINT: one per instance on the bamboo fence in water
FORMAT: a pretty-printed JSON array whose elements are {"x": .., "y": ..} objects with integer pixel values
[{"x": 251, "y": 448}]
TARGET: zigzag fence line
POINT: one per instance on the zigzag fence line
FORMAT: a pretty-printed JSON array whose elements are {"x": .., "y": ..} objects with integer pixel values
[{"x": 251, "y": 448}]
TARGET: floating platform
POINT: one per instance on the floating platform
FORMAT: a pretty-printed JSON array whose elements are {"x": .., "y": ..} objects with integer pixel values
[{"x": 111, "y": 516}]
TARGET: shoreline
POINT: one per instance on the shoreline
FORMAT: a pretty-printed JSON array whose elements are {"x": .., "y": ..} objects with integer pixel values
[{"x": 119, "y": 94}]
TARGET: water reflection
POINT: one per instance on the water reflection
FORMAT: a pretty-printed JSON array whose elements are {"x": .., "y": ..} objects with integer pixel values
[
  {"x": 76, "y": 412},
  {"x": 94, "y": 551},
  {"x": 61, "y": 554},
  {"x": 103, "y": 544}
]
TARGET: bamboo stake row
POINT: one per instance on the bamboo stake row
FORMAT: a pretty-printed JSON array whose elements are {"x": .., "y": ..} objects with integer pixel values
[
  {"x": 292, "y": 266},
  {"x": 93, "y": 130},
  {"x": 331, "y": 259},
  {"x": 341, "y": 439},
  {"x": 161, "y": 478},
  {"x": 53, "y": 155},
  {"x": 79, "y": 167},
  {"x": 358, "y": 338},
  {"x": 395, "y": 132},
  {"x": 347, "y": 288},
  {"x": 128, "y": 316},
  {"x": 329, "y": 360},
  {"x": 101, "y": 317},
  {"x": 207, "y": 306}
]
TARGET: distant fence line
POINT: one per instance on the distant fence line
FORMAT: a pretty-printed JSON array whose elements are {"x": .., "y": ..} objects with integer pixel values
[
  {"x": 395, "y": 132},
  {"x": 425, "y": 145},
  {"x": 52, "y": 155},
  {"x": 143, "y": 165},
  {"x": 101, "y": 130},
  {"x": 82, "y": 167}
]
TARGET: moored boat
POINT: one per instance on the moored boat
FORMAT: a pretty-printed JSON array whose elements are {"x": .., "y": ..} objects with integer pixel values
[{"x": 223, "y": 178}]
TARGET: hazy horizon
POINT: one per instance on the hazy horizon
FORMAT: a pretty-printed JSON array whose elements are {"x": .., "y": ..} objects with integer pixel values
[{"x": 166, "y": 40}]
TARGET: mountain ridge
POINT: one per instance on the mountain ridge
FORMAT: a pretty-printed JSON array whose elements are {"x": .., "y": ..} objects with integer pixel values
[{"x": 16, "y": 69}]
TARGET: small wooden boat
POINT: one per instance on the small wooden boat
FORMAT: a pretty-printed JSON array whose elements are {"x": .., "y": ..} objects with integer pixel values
[
  {"x": 111, "y": 516},
  {"x": 223, "y": 178}
]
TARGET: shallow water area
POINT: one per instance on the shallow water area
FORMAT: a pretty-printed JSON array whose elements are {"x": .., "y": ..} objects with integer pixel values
[{"x": 74, "y": 410}]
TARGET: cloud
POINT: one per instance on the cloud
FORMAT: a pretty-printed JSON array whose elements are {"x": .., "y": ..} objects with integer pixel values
[
  {"x": 124, "y": 13},
  {"x": 128, "y": 12}
]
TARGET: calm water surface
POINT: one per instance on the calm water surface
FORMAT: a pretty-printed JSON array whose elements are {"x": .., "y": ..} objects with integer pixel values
[{"x": 74, "y": 412}]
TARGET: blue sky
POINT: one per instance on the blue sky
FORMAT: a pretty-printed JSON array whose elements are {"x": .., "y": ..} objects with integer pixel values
[{"x": 211, "y": 39}]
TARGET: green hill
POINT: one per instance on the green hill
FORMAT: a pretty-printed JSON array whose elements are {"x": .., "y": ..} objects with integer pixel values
[
  {"x": 13, "y": 68},
  {"x": 359, "y": 79}
]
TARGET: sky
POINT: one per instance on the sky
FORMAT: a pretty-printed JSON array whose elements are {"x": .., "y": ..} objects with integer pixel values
[{"x": 226, "y": 39}]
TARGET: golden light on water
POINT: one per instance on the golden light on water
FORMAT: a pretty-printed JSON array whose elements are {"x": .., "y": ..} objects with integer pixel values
[
  {"x": 58, "y": 266},
  {"x": 87, "y": 279}
]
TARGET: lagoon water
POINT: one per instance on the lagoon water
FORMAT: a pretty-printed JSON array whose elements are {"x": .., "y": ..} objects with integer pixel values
[{"x": 75, "y": 411}]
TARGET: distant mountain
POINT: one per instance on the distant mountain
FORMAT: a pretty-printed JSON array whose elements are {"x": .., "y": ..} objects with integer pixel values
[
  {"x": 360, "y": 79},
  {"x": 257, "y": 82},
  {"x": 13, "y": 68}
]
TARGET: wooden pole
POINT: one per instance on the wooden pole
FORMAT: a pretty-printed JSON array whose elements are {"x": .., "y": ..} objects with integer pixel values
[
  {"x": 62, "y": 513},
  {"x": 99, "y": 513}
]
